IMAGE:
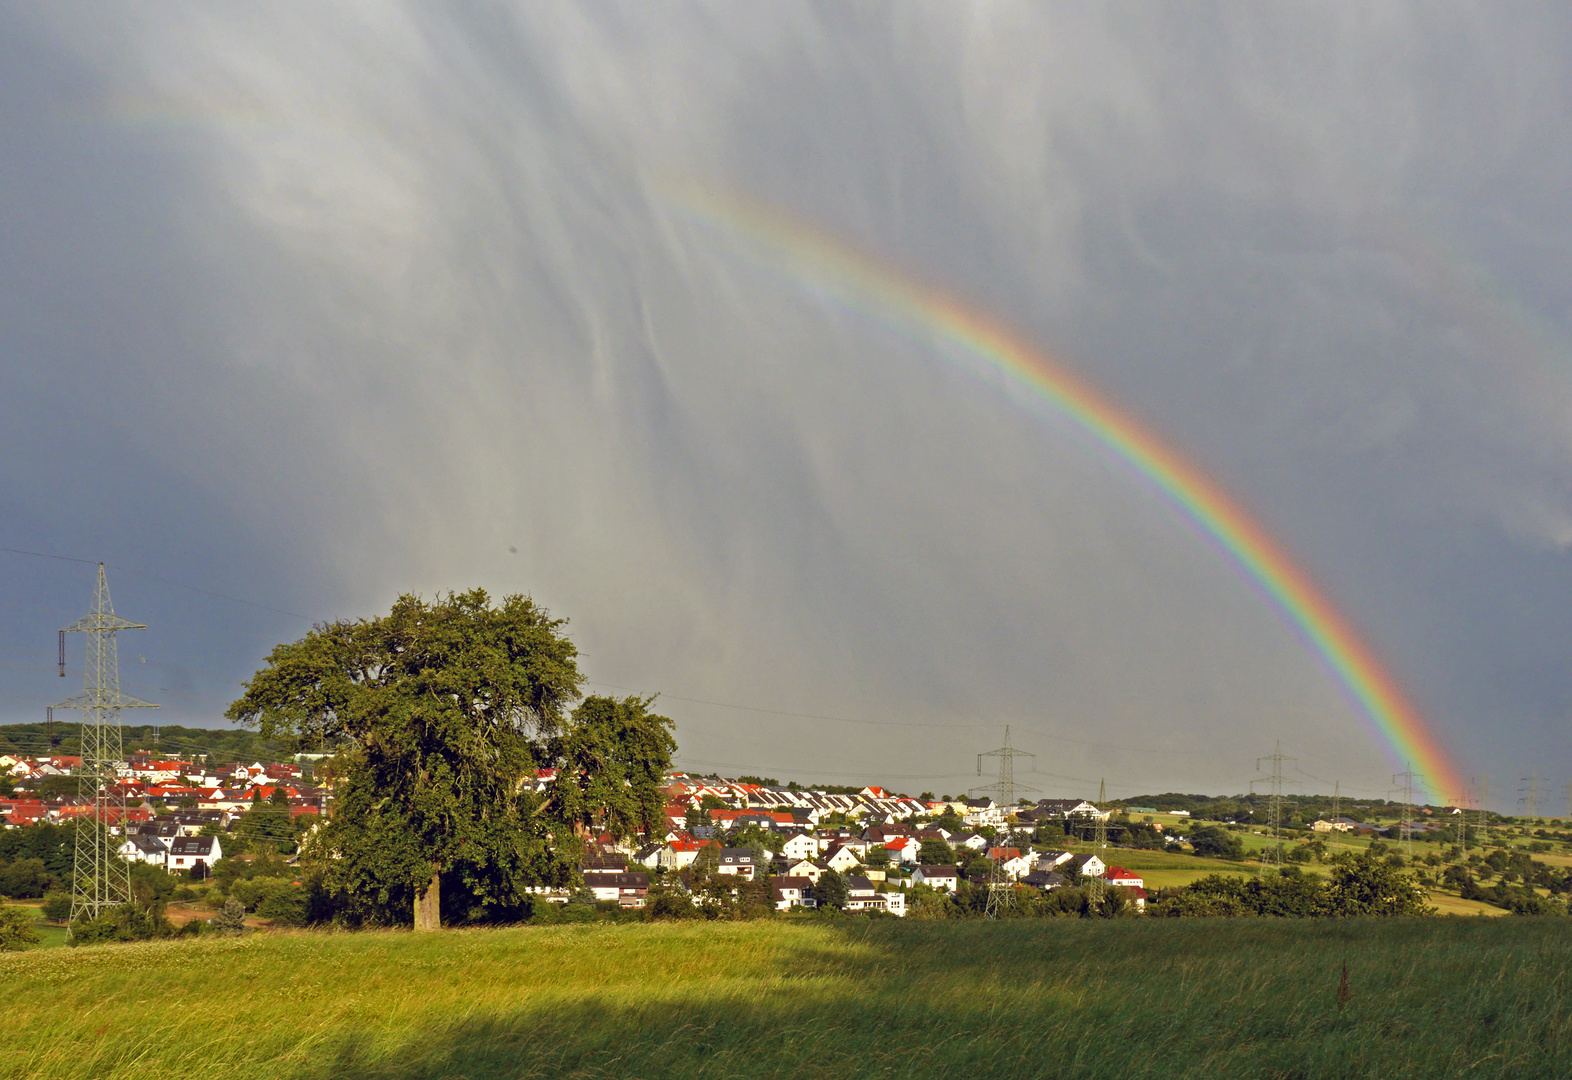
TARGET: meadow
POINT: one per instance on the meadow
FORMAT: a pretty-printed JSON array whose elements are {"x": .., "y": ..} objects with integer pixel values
[{"x": 802, "y": 998}]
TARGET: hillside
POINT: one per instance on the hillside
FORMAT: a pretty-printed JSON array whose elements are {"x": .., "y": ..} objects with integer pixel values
[
  {"x": 227, "y": 744},
  {"x": 1123, "y": 999}
]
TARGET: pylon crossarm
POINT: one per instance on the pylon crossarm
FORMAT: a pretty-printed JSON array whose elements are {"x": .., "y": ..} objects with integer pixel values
[
  {"x": 107, "y": 620},
  {"x": 101, "y": 699}
]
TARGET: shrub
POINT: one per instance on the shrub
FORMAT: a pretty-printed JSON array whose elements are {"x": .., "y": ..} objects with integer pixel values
[
  {"x": 232, "y": 919},
  {"x": 16, "y": 929}
]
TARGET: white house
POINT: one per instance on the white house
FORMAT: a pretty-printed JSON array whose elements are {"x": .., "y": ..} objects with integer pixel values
[
  {"x": 1050, "y": 860},
  {"x": 737, "y": 862},
  {"x": 805, "y": 868},
  {"x": 799, "y": 846},
  {"x": 1120, "y": 876},
  {"x": 1016, "y": 867},
  {"x": 792, "y": 891},
  {"x": 186, "y": 852},
  {"x": 937, "y": 877},
  {"x": 1089, "y": 865},
  {"x": 629, "y": 890},
  {"x": 146, "y": 849},
  {"x": 843, "y": 859},
  {"x": 903, "y": 849},
  {"x": 971, "y": 841}
]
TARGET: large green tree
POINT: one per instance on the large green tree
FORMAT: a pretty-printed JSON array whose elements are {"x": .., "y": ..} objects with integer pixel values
[
  {"x": 450, "y": 707},
  {"x": 445, "y": 703}
]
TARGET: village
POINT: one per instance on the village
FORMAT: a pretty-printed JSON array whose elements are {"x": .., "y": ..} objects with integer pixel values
[{"x": 182, "y": 815}]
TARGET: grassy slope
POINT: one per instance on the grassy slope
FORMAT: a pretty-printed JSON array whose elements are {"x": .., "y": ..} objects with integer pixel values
[{"x": 1130, "y": 999}]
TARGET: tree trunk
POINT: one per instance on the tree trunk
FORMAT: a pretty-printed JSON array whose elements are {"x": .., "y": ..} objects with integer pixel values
[{"x": 428, "y": 904}]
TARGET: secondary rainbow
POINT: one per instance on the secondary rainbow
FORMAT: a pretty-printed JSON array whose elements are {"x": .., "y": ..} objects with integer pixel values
[{"x": 827, "y": 263}]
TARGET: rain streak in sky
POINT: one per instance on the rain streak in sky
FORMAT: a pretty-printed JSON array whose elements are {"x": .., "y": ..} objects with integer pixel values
[{"x": 310, "y": 306}]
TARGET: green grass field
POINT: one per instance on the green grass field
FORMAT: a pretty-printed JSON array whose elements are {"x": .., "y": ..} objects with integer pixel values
[{"x": 1085, "y": 999}]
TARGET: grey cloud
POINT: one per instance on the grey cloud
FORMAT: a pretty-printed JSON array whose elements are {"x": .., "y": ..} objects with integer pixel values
[{"x": 388, "y": 292}]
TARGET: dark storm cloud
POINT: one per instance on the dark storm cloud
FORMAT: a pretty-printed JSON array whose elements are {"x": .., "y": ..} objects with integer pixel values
[{"x": 317, "y": 306}]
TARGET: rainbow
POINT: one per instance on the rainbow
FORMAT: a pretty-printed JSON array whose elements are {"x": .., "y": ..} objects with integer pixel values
[{"x": 828, "y": 264}]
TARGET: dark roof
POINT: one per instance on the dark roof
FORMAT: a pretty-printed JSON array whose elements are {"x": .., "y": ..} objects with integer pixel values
[
  {"x": 1043, "y": 879},
  {"x": 736, "y": 855},
  {"x": 611, "y": 880},
  {"x": 200, "y": 846},
  {"x": 859, "y": 883},
  {"x": 938, "y": 871}
]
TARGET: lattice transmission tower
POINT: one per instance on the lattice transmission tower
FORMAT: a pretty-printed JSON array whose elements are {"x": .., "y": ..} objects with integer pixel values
[
  {"x": 102, "y": 879},
  {"x": 1482, "y": 815},
  {"x": 1274, "y": 856},
  {"x": 1006, "y": 789},
  {"x": 1407, "y": 780},
  {"x": 1530, "y": 799}
]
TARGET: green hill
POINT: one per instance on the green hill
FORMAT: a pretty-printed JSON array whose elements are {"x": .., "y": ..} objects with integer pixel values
[
  {"x": 225, "y": 745},
  {"x": 1126, "y": 999}
]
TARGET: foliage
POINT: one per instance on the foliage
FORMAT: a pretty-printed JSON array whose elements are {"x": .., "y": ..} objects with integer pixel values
[
  {"x": 1356, "y": 886},
  {"x": 830, "y": 890},
  {"x": 278, "y": 899},
  {"x": 218, "y": 746},
  {"x": 26, "y": 879},
  {"x": 57, "y": 907},
  {"x": 610, "y": 763},
  {"x": 1209, "y": 840},
  {"x": 16, "y": 929},
  {"x": 935, "y": 853},
  {"x": 138, "y": 920},
  {"x": 452, "y": 705},
  {"x": 231, "y": 919}
]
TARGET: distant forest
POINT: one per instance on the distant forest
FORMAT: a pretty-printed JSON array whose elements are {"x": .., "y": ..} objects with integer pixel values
[{"x": 222, "y": 745}]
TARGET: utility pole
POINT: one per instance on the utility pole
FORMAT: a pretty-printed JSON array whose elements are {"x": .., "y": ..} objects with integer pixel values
[
  {"x": 1006, "y": 789},
  {"x": 1406, "y": 781},
  {"x": 1275, "y": 812},
  {"x": 1530, "y": 797},
  {"x": 102, "y": 880}
]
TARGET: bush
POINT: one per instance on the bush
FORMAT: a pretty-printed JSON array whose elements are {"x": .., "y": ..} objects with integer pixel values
[
  {"x": 1209, "y": 840},
  {"x": 57, "y": 907},
  {"x": 232, "y": 919},
  {"x": 26, "y": 879},
  {"x": 16, "y": 929},
  {"x": 135, "y": 921}
]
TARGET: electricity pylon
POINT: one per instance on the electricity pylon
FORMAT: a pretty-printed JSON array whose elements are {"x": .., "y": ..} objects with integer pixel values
[
  {"x": 102, "y": 880},
  {"x": 1530, "y": 798},
  {"x": 1567, "y": 794},
  {"x": 1337, "y": 800},
  {"x": 1001, "y": 891},
  {"x": 1006, "y": 789},
  {"x": 1276, "y": 757},
  {"x": 1100, "y": 830},
  {"x": 1407, "y": 781},
  {"x": 1482, "y": 783}
]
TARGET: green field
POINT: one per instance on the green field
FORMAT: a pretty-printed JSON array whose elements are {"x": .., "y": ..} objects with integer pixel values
[{"x": 1087, "y": 999}]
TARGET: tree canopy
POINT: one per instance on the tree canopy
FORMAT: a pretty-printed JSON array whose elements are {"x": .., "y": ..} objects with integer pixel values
[{"x": 451, "y": 708}]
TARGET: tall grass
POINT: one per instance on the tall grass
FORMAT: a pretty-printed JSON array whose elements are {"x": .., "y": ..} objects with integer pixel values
[{"x": 1126, "y": 999}]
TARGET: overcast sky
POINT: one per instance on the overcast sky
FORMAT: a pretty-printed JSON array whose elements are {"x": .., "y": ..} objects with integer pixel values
[{"x": 312, "y": 305}]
